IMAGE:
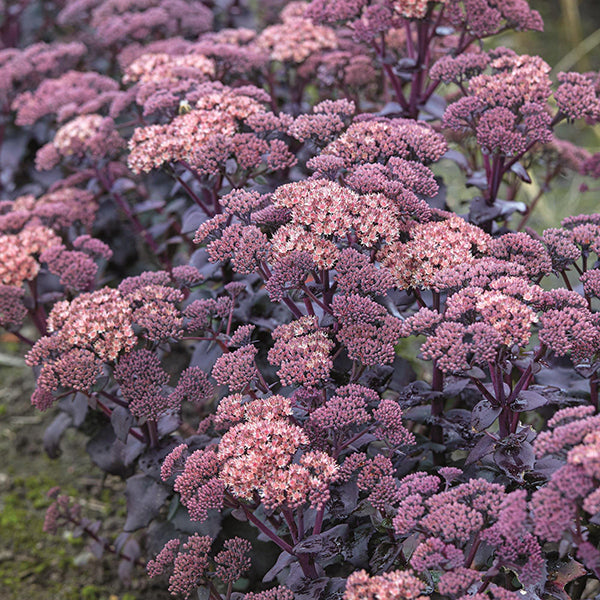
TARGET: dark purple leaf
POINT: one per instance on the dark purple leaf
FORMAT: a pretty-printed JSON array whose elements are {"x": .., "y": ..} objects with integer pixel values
[
  {"x": 192, "y": 219},
  {"x": 152, "y": 204},
  {"x": 159, "y": 229},
  {"x": 546, "y": 466},
  {"x": 284, "y": 560},
  {"x": 453, "y": 386},
  {"x": 168, "y": 423},
  {"x": 211, "y": 526},
  {"x": 121, "y": 420},
  {"x": 521, "y": 172},
  {"x": 305, "y": 588},
  {"x": 435, "y": 106},
  {"x": 125, "y": 571},
  {"x": 457, "y": 157},
  {"x": 108, "y": 453},
  {"x": 203, "y": 593},
  {"x": 529, "y": 400},
  {"x": 123, "y": 185},
  {"x": 483, "y": 447},
  {"x": 76, "y": 407},
  {"x": 120, "y": 540},
  {"x": 145, "y": 498},
  {"x": 439, "y": 200},
  {"x": 483, "y": 415},
  {"x": 481, "y": 213},
  {"x": 96, "y": 548},
  {"x": 477, "y": 179},
  {"x": 390, "y": 110},
  {"x": 324, "y": 544},
  {"x": 514, "y": 460},
  {"x": 54, "y": 433},
  {"x": 507, "y": 207},
  {"x": 130, "y": 550}
]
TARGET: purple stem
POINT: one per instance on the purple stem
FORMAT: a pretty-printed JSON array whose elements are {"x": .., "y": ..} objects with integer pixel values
[{"x": 268, "y": 532}]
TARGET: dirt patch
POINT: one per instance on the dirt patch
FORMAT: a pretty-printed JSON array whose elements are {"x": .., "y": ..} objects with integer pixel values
[{"x": 34, "y": 564}]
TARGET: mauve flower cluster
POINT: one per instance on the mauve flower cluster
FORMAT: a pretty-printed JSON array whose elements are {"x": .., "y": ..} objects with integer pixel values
[
  {"x": 223, "y": 123},
  {"x": 302, "y": 352},
  {"x": 433, "y": 247},
  {"x": 73, "y": 93},
  {"x": 355, "y": 407},
  {"x": 162, "y": 83},
  {"x": 366, "y": 328},
  {"x": 257, "y": 454},
  {"x": 19, "y": 250},
  {"x": 118, "y": 23},
  {"x": 395, "y": 584},
  {"x": 281, "y": 392},
  {"x": 487, "y": 17},
  {"x": 573, "y": 488},
  {"x": 86, "y": 137},
  {"x": 59, "y": 210},
  {"x": 21, "y": 70},
  {"x": 296, "y": 38},
  {"x": 371, "y": 140},
  {"x": 103, "y": 327},
  {"x": 506, "y": 110}
]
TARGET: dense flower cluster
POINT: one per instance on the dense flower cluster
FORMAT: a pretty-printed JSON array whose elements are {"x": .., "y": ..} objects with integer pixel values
[
  {"x": 18, "y": 252},
  {"x": 302, "y": 351},
  {"x": 92, "y": 137},
  {"x": 266, "y": 376},
  {"x": 433, "y": 247},
  {"x": 258, "y": 453},
  {"x": 296, "y": 38},
  {"x": 214, "y": 130},
  {"x": 119, "y": 23},
  {"x": 574, "y": 486}
]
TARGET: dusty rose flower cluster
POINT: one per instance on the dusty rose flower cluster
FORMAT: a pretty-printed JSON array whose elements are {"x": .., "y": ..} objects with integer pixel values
[{"x": 241, "y": 224}]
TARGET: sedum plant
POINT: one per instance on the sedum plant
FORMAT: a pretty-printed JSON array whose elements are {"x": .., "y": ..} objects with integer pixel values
[{"x": 226, "y": 245}]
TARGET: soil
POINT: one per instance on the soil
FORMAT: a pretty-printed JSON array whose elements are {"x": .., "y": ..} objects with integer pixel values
[{"x": 34, "y": 564}]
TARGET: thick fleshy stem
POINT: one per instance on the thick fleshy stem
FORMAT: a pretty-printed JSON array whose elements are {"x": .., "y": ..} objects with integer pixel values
[
  {"x": 264, "y": 529},
  {"x": 437, "y": 410},
  {"x": 153, "y": 433},
  {"x": 472, "y": 551},
  {"x": 21, "y": 337},
  {"x": 319, "y": 521},
  {"x": 131, "y": 216},
  {"x": 594, "y": 390},
  {"x": 37, "y": 314},
  {"x": 207, "y": 211}
]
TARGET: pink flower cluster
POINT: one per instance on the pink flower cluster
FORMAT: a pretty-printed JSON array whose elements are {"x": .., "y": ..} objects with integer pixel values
[
  {"x": 296, "y": 38},
  {"x": 189, "y": 564},
  {"x": 119, "y": 23},
  {"x": 91, "y": 137},
  {"x": 573, "y": 487},
  {"x": 257, "y": 455},
  {"x": 23, "y": 69},
  {"x": 506, "y": 110},
  {"x": 395, "y": 584},
  {"x": 211, "y": 132},
  {"x": 302, "y": 351},
  {"x": 366, "y": 329},
  {"x": 433, "y": 247},
  {"x": 72, "y": 94},
  {"x": 19, "y": 250},
  {"x": 58, "y": 209}
]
